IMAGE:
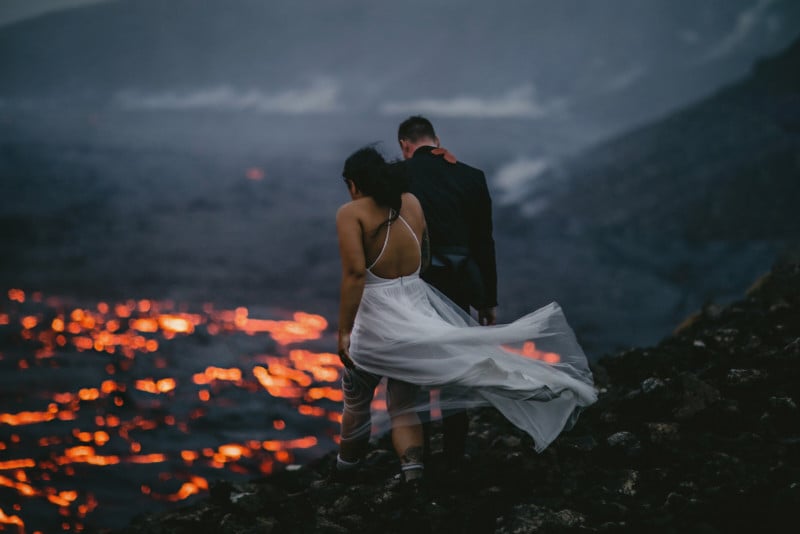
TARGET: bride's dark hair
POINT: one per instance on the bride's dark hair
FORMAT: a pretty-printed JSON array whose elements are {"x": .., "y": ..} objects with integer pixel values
[{"x": 384, "y": 181}]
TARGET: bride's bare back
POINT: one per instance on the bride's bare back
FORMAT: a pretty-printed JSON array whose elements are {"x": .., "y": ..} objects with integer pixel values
[{"x": 401, "y": 256}]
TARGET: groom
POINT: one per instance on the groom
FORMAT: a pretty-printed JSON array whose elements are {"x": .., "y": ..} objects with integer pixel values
[{"x": 458, "y": 212}]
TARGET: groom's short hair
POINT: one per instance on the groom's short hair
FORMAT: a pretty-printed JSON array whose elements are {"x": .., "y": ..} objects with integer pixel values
[{"x": 415, "y": 128}]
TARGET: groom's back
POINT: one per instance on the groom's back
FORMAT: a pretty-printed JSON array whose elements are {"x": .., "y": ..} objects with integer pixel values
[{"x": 453, "y": 196}]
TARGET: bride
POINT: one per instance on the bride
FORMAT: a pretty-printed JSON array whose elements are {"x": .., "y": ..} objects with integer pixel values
[{"x": 393, "y": 324}]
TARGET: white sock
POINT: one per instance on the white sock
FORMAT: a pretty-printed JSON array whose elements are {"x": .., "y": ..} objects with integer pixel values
[{"x": 412, "y": 471}]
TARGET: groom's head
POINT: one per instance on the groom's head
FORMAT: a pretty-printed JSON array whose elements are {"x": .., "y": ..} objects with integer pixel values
[{"x": 415, "y": 132}]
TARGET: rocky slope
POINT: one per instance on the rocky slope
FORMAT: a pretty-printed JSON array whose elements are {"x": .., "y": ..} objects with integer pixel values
[
  {"x": 699, "y": 433},
  {"x": 663, "y": 218}
]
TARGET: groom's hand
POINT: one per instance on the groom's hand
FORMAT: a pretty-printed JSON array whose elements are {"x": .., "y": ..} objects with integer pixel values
[
  {"x": 448, "y": 157},
  {"x": 487, "y": 316}
]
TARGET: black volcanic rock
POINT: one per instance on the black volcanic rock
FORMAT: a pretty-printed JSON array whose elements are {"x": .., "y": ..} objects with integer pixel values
[{"x": 696, "y": 434}]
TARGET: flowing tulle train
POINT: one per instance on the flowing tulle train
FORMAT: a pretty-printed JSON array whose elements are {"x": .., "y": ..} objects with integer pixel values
[{"x": 532, "y": 370}]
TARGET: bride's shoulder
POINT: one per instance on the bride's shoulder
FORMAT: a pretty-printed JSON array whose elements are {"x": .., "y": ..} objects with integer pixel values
[
  {"x": 354, "y": 208},
  {"x": 411, "y": 200}
]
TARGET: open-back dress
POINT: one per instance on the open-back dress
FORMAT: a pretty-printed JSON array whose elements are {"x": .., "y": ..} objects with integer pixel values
[{"x": 532, "y": 370}]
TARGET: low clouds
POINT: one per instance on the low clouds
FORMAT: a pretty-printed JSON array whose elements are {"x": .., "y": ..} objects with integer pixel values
[
  {"x": 515, "y": 179},
  {"x": 747, "y": 22},
  {"x": 624, "y": 79},
  {"x": 322, "y": 96},
  {"x": 520, "y": 102},
  {"x": 13, "y": 11},
  {"x": 325, "y": 96}
]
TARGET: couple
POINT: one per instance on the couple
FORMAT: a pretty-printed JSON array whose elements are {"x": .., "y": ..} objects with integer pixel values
[{"x": 393, "y": 323}]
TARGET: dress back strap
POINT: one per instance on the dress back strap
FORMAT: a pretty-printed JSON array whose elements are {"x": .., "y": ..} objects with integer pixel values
[
  {"x": 386, "y": 240},
  {"x": 413, "y": 234}
]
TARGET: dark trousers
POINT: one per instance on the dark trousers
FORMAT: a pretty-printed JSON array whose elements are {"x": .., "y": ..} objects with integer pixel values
[{"x": 454, "y": 422}]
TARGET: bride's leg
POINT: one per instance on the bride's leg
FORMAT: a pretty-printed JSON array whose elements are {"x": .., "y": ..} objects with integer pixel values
[
  {"x": 358, "y": 388},
  {"x": 407, "y": 436}
]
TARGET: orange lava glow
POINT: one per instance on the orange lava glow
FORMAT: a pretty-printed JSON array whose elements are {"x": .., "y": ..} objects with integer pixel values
[
  {"x": 277, "y": 368},
  {"x": 301, "y": 443},
  {"x": 325, "y": 366},
  {"x": 148, "y": 324},
  {"x": 216, "y": 373},
  {"x": 89, "y": 394},
  {"x": 255, "y": 173},
  {"x": 22, "y": 488},
  {"x": 329, "y": 393},
  {"x": 195, "y": 486},
  {"x": 305, "y": 326},
  {"x": 155, "y": 458},
  {"x": 276, "y": 386},
  {"x": 85, "y": 454},
  {"x": 183, "y": 324},
  {"x": 11, "y": 520},
  {"x": 17, "y": 464},
  {"x": 127, "y": 347},
  {"x": 529, "y": 350},
  {"x": 28, "y": 418},
  {"x": 165, "y": 385},
  {"x": 232, "y": 451},
  {"x": 189, "y": 456}
]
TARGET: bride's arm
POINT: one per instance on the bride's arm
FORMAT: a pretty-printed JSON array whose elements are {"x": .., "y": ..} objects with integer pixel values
[{"x": 351, "y": 250}]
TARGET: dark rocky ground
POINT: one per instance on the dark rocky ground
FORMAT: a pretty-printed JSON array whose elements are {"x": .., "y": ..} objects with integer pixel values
[{"x": 697, "y": 434}]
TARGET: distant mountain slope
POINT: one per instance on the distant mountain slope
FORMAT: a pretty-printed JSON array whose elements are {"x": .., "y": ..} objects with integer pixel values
[
  {"x": 680, "y": 212},
  {"x": 725, "y": 168}
]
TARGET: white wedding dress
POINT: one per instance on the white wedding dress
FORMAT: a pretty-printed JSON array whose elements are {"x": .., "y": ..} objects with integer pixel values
[{"x": 409, "y": 331}]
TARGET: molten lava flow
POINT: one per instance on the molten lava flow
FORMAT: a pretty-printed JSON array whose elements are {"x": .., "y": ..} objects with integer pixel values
[
  {"x": 301, "y": 443},
  {"x": 233, "y": 451},
  {"x": 27, "y": 418},
  {"x": 304, "y": 327},
  {"x": 85, "y": 454},
  {"x": 325, "y": 393},
  {"x": 165, "y": 385},
  {"x": 276, "y": 368},
  {"x": 155, "y": 458},
  {"x": 11, "y": 520},
  {"x": 127, "y": 340},
  {"x": 22, "y": 488},
  {"x": 255, "y": 173},
  {"x": 216, "y": 373},
  {"x": 17, "y": 464},
  {"x": 149, "y": 324},
  {"x": 325, "y": 367},
  {"x": 195, "y": 486},
  {"x": 183, "y": 324},
  {"x": 276, "y": 386}
]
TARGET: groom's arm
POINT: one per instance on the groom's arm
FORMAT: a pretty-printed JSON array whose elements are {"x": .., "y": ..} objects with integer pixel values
[{"x": 482, "y": 242}]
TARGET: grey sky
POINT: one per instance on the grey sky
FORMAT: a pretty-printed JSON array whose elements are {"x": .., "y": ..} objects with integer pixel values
[{"x": 16, "y": 10}]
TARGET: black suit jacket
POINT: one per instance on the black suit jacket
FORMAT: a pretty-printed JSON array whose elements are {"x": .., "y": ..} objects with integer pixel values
[{"x": 458, "y": 211}]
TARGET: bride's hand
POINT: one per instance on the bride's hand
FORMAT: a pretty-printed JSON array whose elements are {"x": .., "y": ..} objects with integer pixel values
[{"x": 344, "y": 350}]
